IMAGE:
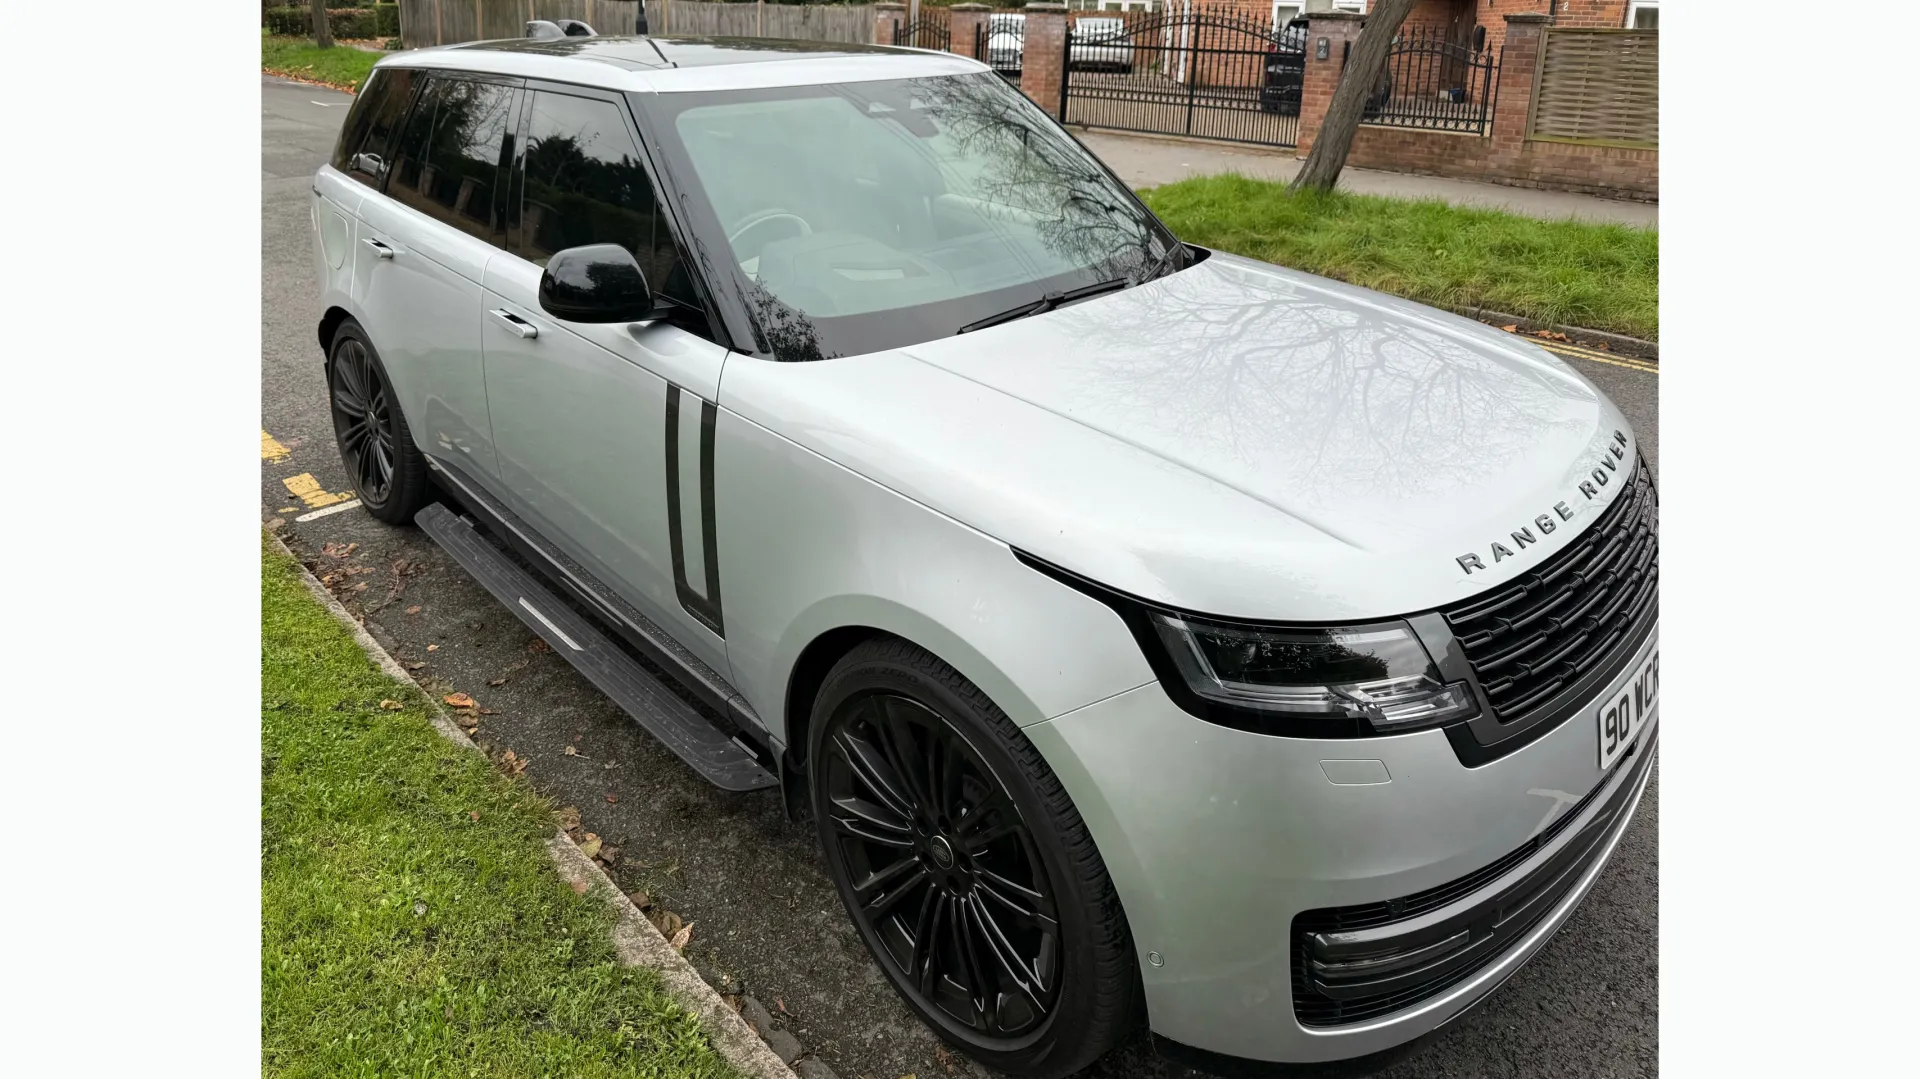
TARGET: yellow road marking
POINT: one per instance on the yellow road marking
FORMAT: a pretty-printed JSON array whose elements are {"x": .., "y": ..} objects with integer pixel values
[
  {"x": 271, "y": 449},
  {"x": 1597, "y": 357},
  {"x": 308, "y": 490}
]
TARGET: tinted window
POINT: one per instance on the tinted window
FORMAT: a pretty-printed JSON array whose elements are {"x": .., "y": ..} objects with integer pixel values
[
  {"x": 584, "y": 184},
  {"x": 378, "y": 110},
  {"x": 448, "y": 162}
]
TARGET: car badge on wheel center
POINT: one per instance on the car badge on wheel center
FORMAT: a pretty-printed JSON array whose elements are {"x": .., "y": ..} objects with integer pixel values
[{"x": 942, "y": 852}]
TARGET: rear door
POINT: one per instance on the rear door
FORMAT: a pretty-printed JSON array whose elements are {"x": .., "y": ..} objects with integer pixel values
[
  {"x": 423, "y": 250},
  {"x": 357, "y": 168},
  {"x": 605, "y": 432}
]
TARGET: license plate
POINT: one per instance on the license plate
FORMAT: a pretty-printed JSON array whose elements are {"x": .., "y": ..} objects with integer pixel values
[{"x": 1622, "y": 716}]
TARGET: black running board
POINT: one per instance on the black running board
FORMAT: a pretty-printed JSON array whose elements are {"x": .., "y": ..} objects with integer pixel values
[{"x": 719, "y": 757}]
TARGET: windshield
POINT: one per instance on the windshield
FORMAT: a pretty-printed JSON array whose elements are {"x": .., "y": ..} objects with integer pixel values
[{"x": 870, "y": 215}]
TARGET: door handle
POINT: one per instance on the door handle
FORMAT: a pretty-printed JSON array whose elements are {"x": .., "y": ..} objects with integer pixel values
[
  {"x": 379, "y": 249},
  {"x": 515, "y": 325}
]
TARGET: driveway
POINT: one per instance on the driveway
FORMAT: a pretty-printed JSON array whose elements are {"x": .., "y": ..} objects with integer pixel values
[{"x": 752, "y": 884}]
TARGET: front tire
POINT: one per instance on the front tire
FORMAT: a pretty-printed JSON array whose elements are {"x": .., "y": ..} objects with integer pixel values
[
  {"x": 965, "y": 867},
  {"x": 388, "y": 471}
]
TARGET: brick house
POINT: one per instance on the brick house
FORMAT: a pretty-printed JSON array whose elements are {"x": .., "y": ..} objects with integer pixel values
[{"x": 1457, "y": 18}]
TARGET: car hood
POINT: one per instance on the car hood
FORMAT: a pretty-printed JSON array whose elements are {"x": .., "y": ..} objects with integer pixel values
[{"x": 1235, "y": 439}]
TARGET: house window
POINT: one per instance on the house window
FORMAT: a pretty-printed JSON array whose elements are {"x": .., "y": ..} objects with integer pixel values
[
  {"x": 1285, "y": 13},
  {"x": 1643, "y": 15},
  {"x": 1358, "y": 7}
]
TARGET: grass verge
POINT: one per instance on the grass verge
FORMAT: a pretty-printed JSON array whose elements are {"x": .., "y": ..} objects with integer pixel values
[
  {"x": 411, "y": 920},
  {"x": 342, "y": 67},
  {"x": 1573, "y": 273}
]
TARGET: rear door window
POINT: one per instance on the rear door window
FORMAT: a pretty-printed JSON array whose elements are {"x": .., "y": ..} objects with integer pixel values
[
  {"x": 584, "y": 183},
  {"x": 376, "y": 113},
  {"x": 448, "y": 164}
]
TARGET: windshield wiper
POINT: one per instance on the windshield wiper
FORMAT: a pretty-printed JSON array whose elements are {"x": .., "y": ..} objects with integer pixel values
[
  {"x": 1172, "y": 261},
  {"x": 1046, "y": 303}
]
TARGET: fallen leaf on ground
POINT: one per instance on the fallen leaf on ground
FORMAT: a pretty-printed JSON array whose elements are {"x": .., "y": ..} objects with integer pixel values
[
  {"x": 681, "y": 938},
  {"x": 590, "y": 846},
  {"x": 940, "y": 1054},
  {"x": 1511, "y": 329},
  {"x": 361, "y": 587},
  {"x": 391, "y": 705},
  {"x": 568, "y": 817},
  {"x": 416, "y": 664},
  {"x": 640, "y": 899},
  {"x": 487, "y": 711},
  {"x": 497, "y": 682},
  {"x": 274, "y": 523},
  {"x": 609, "y": 854},
  {"x": 612, "y": 798},
  {"x": 415, "y": 609},
  {"x": 782, "y": 1005},
  {"x": 474, "y": 813},
  {"x": 459, "y": 700},
  {"x": 579, "y": 887},
  {"x": 513, "y": 765},
  {"x": 666, "y": 921},
  {"x": 433, "y": 648},
  {"x": 338, "y": 550},
  {"x": 569, "y": 751},
  {"x": 539, "y": 645}
]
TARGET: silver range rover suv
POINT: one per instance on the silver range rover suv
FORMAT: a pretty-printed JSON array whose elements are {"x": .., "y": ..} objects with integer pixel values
[{"x": 1148, "y": 632}]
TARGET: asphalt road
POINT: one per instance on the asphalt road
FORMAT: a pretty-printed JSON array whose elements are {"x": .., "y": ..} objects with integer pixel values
[{"x": 753, "y": 885}]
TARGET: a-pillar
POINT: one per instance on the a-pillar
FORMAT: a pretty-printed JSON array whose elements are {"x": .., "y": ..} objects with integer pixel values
[
  {"x": 968, "y": 24},
  {"x": 1043, "y": 62},
  {"x": 887, "y": 21}
]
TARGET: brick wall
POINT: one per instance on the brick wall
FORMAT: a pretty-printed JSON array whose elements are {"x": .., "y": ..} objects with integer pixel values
[
  {"x": 1041, "y": 61},
  {"x": 1506, "y": 155}
]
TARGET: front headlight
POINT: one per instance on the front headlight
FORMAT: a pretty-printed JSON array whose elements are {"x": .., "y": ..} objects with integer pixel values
[{"x": 1379, "y": 674}]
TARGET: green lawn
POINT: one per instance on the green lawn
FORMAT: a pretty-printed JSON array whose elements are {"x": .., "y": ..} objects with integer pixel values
[
  {"x": 1603, "y": 277},
  {"x": 411, "y": 921},
  {"x": 343, "y": 66}
]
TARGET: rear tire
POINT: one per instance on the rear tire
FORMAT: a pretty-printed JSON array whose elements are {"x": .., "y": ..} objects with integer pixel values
[
  {"x": 388, "y": 472},
  {"x": 965, "y": 867}
]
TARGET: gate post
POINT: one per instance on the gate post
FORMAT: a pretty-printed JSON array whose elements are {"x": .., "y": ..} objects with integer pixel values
[
  {"x": 1337, "y": 29},
  {"x": 968, "y": 22},
  {"x": 1513, "y": 92},
  {"x": 1043, "y": 59},
  {"x": 887, "y": 21}
]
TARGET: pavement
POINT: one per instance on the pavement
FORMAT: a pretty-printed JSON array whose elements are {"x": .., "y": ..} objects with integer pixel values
[
  {"x": 1148, "y": 161},
  {"x": 765, "y": 918}
]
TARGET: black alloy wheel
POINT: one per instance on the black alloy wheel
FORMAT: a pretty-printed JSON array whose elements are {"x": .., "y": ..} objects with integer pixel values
[
  {"x": 964, "y": 866},
  {"x": 388, "y": 473},
  {"x": 363, "y": 420},
  {"x": 943, "y": 866}
]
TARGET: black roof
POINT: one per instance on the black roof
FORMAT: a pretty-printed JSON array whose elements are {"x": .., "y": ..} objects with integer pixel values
[{"x": 637, "y": 53}]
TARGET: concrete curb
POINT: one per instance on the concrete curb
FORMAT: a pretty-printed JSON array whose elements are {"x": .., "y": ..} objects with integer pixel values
[
  {"x": 1615, "y": 342},
  {"x": 636, "y": 940}
]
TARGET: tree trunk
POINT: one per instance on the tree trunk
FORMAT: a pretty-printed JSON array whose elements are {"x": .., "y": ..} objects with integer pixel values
[
  {"x": 322, "y": 32},
  {"x": 1330, "y": 146}
]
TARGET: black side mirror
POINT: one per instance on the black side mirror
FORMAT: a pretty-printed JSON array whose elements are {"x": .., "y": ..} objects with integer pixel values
[{"x": 596, "y": 283}]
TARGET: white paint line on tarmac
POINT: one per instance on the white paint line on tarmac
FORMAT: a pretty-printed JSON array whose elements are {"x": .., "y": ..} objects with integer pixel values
[{"x": 335, "y": 508}]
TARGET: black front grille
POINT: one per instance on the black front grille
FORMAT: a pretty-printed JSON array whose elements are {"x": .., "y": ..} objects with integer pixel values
[{"x": 1536, "y": 636}]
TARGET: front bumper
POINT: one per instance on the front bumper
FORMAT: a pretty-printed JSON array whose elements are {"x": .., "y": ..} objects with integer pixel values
[{"x": 1233, "y": 853}]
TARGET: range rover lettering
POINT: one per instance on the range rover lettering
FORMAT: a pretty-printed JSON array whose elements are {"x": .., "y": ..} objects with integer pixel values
[{"x": 1150, "y": 634}]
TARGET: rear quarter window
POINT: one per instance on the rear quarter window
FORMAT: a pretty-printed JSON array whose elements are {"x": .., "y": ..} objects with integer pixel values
[{"x": 362, "y": 152}]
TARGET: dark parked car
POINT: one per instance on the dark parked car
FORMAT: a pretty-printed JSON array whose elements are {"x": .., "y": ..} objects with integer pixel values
[{"x": 1286, "y": 68}]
